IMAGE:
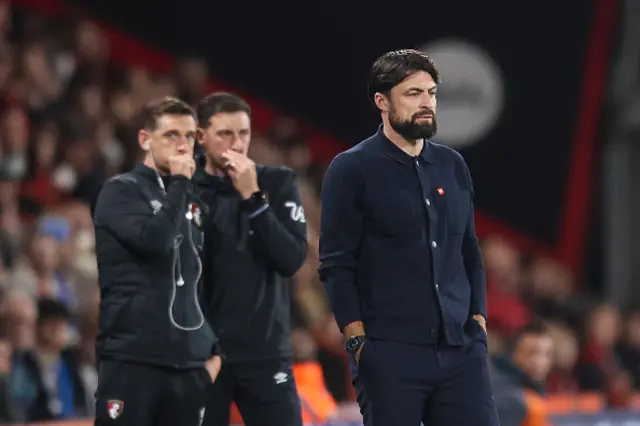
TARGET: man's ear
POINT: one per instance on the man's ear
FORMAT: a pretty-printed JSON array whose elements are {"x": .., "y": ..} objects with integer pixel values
[
  {"x": 381, "y": 101},
  {"x": 200, "y": 136},
  {"x": 143, "y": 139}
]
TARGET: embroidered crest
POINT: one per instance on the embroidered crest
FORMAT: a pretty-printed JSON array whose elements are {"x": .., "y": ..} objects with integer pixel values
[
  {"x": 115, "y": 407},
  {"x": 194, "y": 213},
  {"x": 156, "y": 206}
]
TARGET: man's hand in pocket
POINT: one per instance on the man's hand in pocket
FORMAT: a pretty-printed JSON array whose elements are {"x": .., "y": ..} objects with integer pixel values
[{"x": 213, "y": 367}]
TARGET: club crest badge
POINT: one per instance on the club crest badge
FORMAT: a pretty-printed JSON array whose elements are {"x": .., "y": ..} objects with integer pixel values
[
  {"x": 115, "y": 407},
  {"x": 194, "y": 213}
]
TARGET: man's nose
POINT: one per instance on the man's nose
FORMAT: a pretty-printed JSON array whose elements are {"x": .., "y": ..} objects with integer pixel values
[
  {"x": 183, "y": 146},
  {"x": 427, "y": 102},
  {"x": 237, "y": 144}
]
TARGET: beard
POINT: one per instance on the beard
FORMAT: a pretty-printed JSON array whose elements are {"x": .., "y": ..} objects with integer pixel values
[{"x": 411, "y": 130}]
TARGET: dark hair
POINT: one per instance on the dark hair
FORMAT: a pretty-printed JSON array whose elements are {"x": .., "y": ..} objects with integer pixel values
[
  {"x": 392, "y": 68},
  {"x": 49, "y": 309},
  {"x": 218, "y": 102},
  {"x": 535, "y": 328},
  {"x": 152, "y": 111}
]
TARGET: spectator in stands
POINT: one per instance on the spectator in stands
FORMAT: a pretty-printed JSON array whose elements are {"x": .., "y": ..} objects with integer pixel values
[
  {"x": 8, "y": 408},
  {"x": 518, "y": 379},
  {"x": 18, "y": 314},
  {"x": 562, "y": 378},
  {"x": 37, "y": 273},
  {"x": 191, "y": 77},
  {"x": 598, "y": 363},
  {"x": 52, "y": 370},
  {"x": 506, "y": 308},
  {"x": 629, "y": 349},
  {"x": 38, "y": 190},
  {"x": 14, "y": 131},
  {"x": 549, "y": 288}
]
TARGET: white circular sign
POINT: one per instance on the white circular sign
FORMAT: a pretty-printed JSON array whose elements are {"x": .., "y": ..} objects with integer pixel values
[{"x": 471, "y": 95}]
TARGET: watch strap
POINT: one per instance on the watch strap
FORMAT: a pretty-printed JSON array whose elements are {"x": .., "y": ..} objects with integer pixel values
[{"x": 253, "y": 203}]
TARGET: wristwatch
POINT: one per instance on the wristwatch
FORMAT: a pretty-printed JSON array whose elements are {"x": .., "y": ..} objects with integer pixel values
[
  {"x": 253, "y": 203},
  {"x": 353, "y": 344}
]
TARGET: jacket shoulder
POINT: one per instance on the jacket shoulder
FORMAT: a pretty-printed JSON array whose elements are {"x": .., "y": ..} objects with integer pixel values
[
  {"x": 114, "y": 182},
  {"x": 450, "y": 156},
  {"x": 353, "y": 157},
  {"x": 274, "y": 175},
  {"x": 122, "y": 178},
  {"x": 447, "y": 153}
]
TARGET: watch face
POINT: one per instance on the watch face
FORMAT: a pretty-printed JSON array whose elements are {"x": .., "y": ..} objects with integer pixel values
[{"x": 353, "y": 343}]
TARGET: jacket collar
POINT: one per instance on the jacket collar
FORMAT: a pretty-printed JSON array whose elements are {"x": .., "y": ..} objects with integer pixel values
[
  {"x": 148, "y": 173},
  {"x": 144, "y": 171},
  {"x": 201, "y": 177},
  {"x": 397, "y": 154}
]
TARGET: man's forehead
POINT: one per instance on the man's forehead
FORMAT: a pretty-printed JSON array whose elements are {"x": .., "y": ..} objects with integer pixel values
[
  {"x": 230, "y": 120},
  {"x": 176, "y": 122},
  {"x": 537, "y": 339},
  {"x": 419, "y": 79}
]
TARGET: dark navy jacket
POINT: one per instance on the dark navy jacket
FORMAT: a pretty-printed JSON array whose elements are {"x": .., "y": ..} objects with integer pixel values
[{"x": 398, "y": 247}]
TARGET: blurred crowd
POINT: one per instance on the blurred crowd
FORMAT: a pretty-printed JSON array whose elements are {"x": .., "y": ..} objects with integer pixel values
[{"x": 66, "y": 125}]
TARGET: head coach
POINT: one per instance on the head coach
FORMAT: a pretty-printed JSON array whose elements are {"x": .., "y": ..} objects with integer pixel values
[{"x": 401, "y": 263}]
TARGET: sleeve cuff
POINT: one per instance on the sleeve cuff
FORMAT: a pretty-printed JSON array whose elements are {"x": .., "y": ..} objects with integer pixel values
[
  {"x": 259, "y": 211},
  {"x": 217, "y": 351}
]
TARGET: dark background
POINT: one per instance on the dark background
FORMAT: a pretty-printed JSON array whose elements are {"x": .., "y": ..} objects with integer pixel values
[{"x": 315, "y": 57}]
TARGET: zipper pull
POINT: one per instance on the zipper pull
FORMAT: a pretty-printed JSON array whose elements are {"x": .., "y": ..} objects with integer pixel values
[{"x": 180, "y": 281}]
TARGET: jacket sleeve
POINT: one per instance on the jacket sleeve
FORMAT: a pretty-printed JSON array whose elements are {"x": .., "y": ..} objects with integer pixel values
[
  {"x": 473, "y": 262},
  {"x": 280, "y": 227},
  {"x": 340, "y": 236},
  {"x": 121, "y": 209}
]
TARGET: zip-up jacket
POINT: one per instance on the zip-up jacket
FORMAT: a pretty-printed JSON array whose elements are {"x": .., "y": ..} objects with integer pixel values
[
  {"x": 148, "y": 244},
  {"x": 251, "y": 251}
]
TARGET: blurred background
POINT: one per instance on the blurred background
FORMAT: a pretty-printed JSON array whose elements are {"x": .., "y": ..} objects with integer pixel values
[{"x": 541, "y": 98}]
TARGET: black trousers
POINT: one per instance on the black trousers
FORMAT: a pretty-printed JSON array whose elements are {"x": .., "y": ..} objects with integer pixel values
[
  {"x": 132, "y": 394},
  {"x": 264, "y": 391},
  {"x": 438, "y": 385}
]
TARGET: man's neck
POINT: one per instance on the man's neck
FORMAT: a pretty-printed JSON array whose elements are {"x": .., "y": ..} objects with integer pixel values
[
  {"x": 411, "y": 147},
  {"x": 148, "y": 161}
]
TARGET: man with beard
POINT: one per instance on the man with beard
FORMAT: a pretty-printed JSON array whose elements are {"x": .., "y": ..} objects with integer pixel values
[{"x": 401, "y": 262}]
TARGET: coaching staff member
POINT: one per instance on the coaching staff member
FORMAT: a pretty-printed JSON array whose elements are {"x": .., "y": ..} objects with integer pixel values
[
  {"x": 154, "y": 344},
  {"x": 401, "y": 262},
  {"x": 255, "y": 241}
]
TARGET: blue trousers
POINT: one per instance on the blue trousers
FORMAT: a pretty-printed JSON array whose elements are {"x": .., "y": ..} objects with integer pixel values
[{"x": 400, "y": 384}]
